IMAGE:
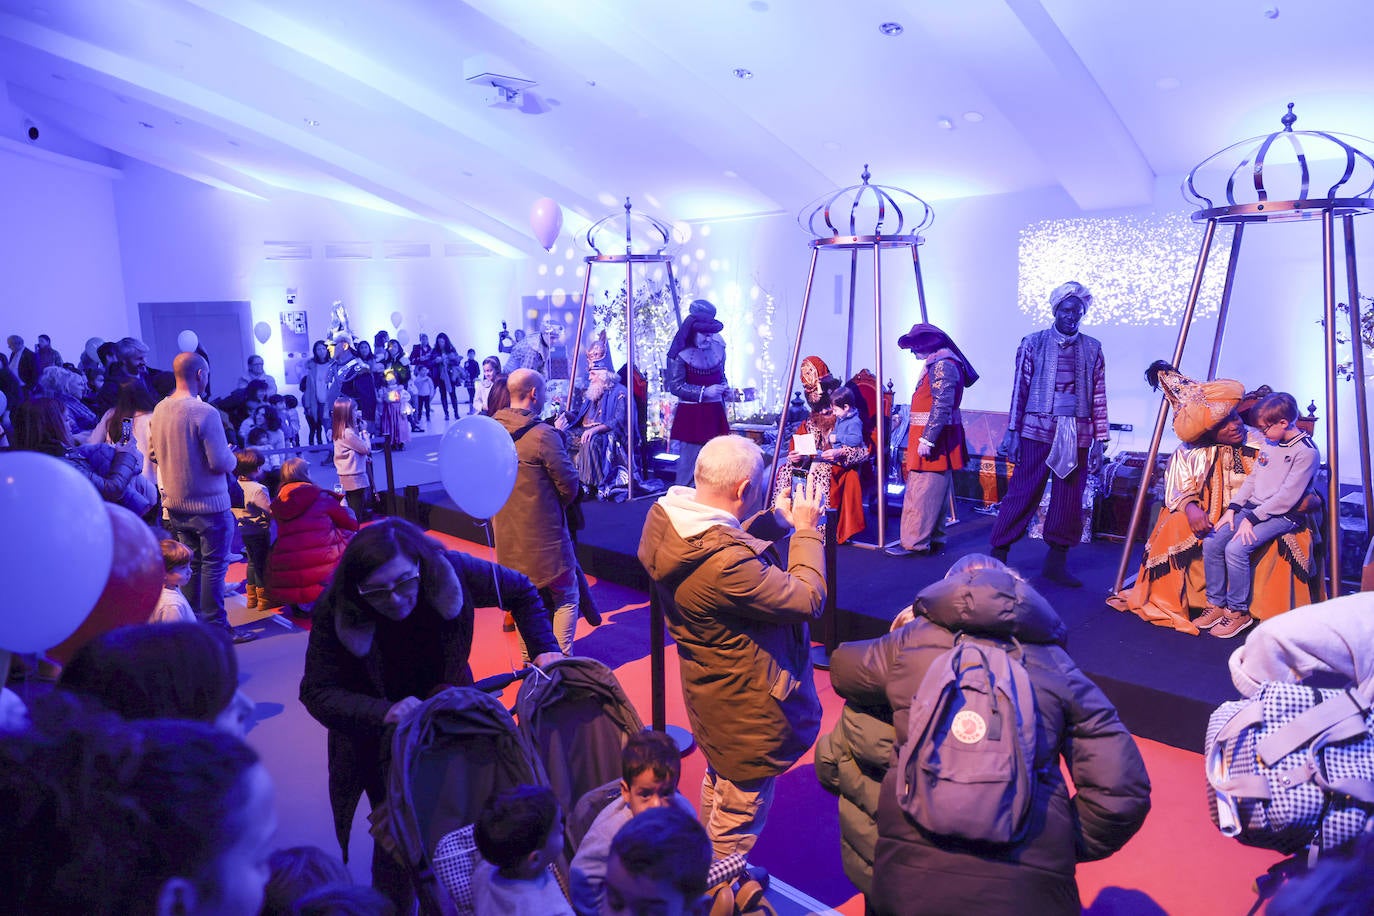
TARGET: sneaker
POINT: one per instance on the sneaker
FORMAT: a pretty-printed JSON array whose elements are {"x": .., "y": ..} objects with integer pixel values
[
  {"x": 1212, "y": 616},
  {"x": 240, "y": 637},
  {"x": 1233, "y": 623},
  {"x": 897, "y": 550}
]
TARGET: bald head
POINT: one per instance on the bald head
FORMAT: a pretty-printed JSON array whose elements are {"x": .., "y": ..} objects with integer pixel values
[
  {"x": 724, "y": 463},
  {"x": 191, "y": 372},
  {"x": 526, "y": 389}
]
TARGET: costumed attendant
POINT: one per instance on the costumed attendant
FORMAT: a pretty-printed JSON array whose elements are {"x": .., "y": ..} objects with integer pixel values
[
  {"x": 696, "y": 377},
  {"x": 1057, "y": 425},
  {"x": 935, "y": 444},
  {"x": 1203, "y": 476}
]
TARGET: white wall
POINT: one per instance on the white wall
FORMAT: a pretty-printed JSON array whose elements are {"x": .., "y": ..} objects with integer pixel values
[
  {"x": 184, "y": 241},
  {"x": 59, "y": 253}
]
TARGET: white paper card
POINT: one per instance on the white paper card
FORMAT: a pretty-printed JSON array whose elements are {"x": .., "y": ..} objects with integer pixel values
[{"x": 803, "y": 444}]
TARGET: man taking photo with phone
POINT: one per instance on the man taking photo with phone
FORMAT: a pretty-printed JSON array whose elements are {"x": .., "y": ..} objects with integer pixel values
[{"x": 732, "y": 607}]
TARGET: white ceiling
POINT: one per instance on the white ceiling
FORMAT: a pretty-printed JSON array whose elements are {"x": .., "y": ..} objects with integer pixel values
[{"x": 638, "y": 97}]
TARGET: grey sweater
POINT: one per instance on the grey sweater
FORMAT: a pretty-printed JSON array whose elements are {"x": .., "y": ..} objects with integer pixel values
[
  {"x": 1280, "y": 478},
  {"x": 187, "y": 442}
]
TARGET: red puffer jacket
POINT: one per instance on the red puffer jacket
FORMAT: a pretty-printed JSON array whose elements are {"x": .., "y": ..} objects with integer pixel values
[{"x": 313, "y": 529}]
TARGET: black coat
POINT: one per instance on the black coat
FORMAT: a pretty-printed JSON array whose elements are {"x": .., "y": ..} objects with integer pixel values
[
  {"x": 357, "y": 668},
  {"x": 916, "y": 873}
]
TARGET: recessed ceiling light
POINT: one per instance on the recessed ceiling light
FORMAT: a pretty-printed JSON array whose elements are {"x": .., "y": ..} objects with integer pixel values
[
  {"x": 973, "y": 117},
  {"x": 743, "y": 74},
  {"x": 945, "y": 124},
  {"x": 311, "y": 122},
  {"x": 1271, "y": 13},
  {"x": 1167, "y": 83},
  {"x": 591, "y": 83},
  {"x": 145, "y": 124},
  {"x": 891, "y": 29}
]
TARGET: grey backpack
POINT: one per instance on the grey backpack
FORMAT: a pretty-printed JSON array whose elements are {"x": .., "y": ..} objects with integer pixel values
[{"x": 967, "y": 769}]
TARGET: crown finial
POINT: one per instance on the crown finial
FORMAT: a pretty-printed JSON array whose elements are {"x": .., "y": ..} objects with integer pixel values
[
  {"x": 865, "y": 176},
  {"x": 1289, "y": 119}
]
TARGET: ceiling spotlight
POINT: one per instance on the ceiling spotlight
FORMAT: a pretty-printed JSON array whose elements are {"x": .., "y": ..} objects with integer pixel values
[
  {"x": 891, "y": 29},
  {"x": 973, "y": 117},
  {"x": 145, "y": 124},
  {"x": 945, "y": 124},
  {"x": 743, "y": 74},
  {"x": 311, "y": 122},
  {"x": 1271, "y": 13}
]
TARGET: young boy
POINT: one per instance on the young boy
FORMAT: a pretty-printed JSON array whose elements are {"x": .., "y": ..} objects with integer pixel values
[
  {"x": 849, "y": 427},
  {"x": 422, "y": 386},
  {"x": 519, "y": 834},
  {"x": 650, "y": 766},
  {"x": 658, "y": 864},
  {"x": 254, "y": 519},
  {"x": 1262, "y": 510},
  {"x": 172, "y": 606},
  {"x": 290, "y": 419}
]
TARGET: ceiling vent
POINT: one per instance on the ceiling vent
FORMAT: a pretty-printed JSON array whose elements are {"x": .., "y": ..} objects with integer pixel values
[
  {"x": 405, "y": 250},
  {"x": 465, "y": 250},
  {"x": 288, "y": 251},
  {"x": 348, "y": 251}
]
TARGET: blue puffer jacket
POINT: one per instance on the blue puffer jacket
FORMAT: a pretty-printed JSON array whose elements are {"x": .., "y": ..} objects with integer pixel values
[{"x": 913, "y": 872}]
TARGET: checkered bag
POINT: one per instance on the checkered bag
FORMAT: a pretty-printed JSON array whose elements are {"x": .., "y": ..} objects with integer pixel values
[{"x": 1292, "y": 767}]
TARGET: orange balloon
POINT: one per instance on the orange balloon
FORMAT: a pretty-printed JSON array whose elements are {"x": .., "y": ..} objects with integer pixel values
[{"x": 130, "y": 593}]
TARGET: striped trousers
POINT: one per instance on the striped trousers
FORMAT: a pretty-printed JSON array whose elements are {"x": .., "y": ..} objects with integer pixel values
[{"x": 1064, "y": 521}]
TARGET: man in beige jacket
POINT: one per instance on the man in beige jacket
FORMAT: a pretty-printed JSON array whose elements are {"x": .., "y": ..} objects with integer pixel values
[{"x": 740, "y": 622}]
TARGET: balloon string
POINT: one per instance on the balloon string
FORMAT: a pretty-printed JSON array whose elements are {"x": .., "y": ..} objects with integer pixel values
[{"x": 496, "y": 583}]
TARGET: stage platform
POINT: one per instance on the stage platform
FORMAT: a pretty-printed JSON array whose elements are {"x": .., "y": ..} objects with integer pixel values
[{"x": 1164, "y": 683}]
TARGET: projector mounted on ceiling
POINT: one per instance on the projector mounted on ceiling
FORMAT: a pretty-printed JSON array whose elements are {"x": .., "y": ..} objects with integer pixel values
[{"x": 503, "y": 83}]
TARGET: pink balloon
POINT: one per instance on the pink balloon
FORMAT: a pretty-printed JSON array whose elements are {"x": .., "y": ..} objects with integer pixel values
[
  {"x": 130, "y": 594},
  {"x": 546, "y": 219}
]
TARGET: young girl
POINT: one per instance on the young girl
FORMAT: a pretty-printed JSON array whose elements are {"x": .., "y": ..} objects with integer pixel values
[
  {"x": 352, "y": 448},
  {"x": 422, "y": 386},
  {"x": 172, "y": 606}
]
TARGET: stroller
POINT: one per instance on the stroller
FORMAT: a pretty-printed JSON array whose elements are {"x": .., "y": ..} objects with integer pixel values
[
  {"x": 457, "y": 750},
  {"x": 576, "y": 718}
]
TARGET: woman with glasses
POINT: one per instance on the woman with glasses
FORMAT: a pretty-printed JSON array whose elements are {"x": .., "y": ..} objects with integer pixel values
[
  {"x": 393, "y": 628},
  {"x": 313, "y": 527}
]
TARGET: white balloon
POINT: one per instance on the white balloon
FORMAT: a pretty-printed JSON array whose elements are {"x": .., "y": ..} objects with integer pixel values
[{"x": 187, "y": 341}]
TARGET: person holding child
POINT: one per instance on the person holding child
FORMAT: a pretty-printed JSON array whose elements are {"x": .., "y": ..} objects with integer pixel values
[{"x": 1263, "y": 509}]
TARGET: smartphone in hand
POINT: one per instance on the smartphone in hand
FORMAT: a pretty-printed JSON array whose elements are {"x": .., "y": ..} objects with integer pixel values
[{"x": 126, "y": 431}]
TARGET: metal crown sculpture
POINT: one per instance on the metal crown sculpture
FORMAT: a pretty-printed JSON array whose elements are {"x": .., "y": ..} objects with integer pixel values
[{"x": 1273, "y": 177}]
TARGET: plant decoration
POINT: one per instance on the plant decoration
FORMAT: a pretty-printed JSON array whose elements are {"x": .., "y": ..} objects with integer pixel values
[
  {"x": 1346, "y": 369},
  {"x": 655, "y": 325}
]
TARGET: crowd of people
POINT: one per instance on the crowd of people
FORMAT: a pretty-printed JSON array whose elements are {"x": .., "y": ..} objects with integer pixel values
[{"x": 129, "y": 787}]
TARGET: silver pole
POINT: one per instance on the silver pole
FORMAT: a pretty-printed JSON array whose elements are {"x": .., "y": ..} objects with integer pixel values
[
  {"x": 1357, "y": 364},
  {"x": 577, "y": 341},
  {"x": 920, "y": 285},
  {"x": 630, "y": 412},
  {"x": 1225, "y": 306},
  {"x": 792, "y": 370},
  {"x": 849, "y": 337},
  {"x": 1138, "y": 509},
  {"x": 1333, "y": 483},
  {"x": 878, "y": 407}
]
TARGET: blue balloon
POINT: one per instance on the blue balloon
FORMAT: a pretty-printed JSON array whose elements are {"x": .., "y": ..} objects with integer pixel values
[
  {"x": 57, "y": 554},
  {"x": 477, "y": 465}
]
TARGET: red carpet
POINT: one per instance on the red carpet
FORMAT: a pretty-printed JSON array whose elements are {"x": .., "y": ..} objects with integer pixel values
[{"x": 1177, "y": 864}]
